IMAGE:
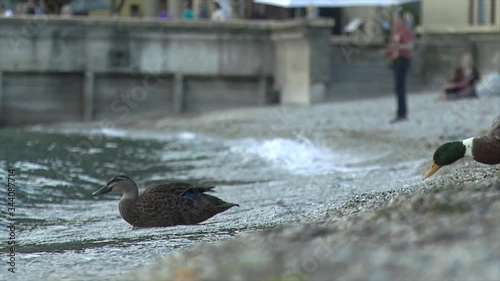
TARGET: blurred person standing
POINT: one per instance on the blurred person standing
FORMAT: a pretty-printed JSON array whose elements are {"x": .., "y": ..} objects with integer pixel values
[
  {"x": 163, "y": 14},
  {"x": 400, "y": 51},
  {"x": 66, "y": 11},
  {"x": 30, "y": 7},
  {"x": 204, "y": 10},
  {"x": 312, "y": 12},
  {"x": 5, "y": 11},
  {"x": 135, "y": 11},
  {"x": 188, "y": 13},
  {"x": 38, "y": 8},
  {"x": 218, "y": 14},
  {"x": 257, "y": 13}
]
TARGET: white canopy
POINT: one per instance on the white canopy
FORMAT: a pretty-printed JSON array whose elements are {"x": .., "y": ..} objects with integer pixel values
[{"x": 332, "y": 3}]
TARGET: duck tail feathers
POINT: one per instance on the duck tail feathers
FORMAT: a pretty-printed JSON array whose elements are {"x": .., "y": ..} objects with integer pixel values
[{"x": 226, "y": 205}]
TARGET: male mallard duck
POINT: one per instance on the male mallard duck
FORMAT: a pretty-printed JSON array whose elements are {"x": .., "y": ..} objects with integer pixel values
[
  {"x": 166, "y": 204},
  {"x": 484, "y": 149}
]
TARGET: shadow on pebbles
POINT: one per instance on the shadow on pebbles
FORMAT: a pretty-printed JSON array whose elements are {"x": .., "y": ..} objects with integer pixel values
[{"x": 447, "y": 228}]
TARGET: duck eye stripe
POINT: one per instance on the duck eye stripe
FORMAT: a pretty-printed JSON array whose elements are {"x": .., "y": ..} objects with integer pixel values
[
  {"x": 117, "y": 179},
  {"x": 113, "y": 180}
]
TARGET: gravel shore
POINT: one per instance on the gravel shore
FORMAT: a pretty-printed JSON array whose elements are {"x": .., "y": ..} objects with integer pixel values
[
  {"x": 438, "y": 232},
  {"x": 446, "y": 228}
]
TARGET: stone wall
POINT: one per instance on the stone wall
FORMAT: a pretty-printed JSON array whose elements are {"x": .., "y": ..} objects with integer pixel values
[
  {"x": 56, "y": 69},
  {"x": 360, "y": 69},
  {"x": 95, "y": 68},
  {"x": 441, "y": 49},
  {"x": 23, "y": 101}
]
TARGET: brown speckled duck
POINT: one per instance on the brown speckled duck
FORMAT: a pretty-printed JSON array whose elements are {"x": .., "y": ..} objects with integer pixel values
[
  {"x": 484, "y": 149},
  {"x": 164, "y": 205}
]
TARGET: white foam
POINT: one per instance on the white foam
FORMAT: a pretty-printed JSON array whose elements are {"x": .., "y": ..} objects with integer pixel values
[
  {"x": 89, "y": 179},
  {"x": 30, "y": 166},
  {"x": 135, "y": 134},
  {"x": 42, "y": 181},
  {"x": 187, "y": 135},
  {"x": 112, "y": 132},
  {"x": 91, "y": 150},
  {"x": 296, "y": 156}
]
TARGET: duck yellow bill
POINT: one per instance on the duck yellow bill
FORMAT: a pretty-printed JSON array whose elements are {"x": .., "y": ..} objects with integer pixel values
[{"x": 432, "y": 170}]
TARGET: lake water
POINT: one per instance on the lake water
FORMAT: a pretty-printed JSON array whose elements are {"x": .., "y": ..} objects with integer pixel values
[{"x": 65, "y": 232}]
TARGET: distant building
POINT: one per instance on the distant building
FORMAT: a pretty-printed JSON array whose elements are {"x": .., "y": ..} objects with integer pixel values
[{"x": 460, "y": 12}]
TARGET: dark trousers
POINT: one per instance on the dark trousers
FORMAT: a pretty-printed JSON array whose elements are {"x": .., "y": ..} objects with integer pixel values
[{"x": 401, "y": 67}]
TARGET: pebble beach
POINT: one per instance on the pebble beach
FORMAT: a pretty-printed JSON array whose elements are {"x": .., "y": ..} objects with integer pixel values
[{"x": 444, "y": 228}]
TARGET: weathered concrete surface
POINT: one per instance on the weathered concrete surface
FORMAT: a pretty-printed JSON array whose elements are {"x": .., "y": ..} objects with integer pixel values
[
  {"x": 439, "y": 231},
  {"x": 292, "y": 73},
  {"x": 112, "y": 61},
  {"x": 42, "y": 97}
]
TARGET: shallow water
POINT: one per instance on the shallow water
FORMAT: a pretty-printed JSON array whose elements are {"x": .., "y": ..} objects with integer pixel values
[{"x": 63, "y": 231}]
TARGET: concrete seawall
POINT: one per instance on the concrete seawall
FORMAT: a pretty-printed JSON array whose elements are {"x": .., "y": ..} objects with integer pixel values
[
  {"x": 70, "y": 69},
  {"x": 80, "y": 69}
]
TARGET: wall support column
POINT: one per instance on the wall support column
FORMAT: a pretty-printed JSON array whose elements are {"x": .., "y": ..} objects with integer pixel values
[
  {"x": 262, "y": 90},
  {"x": 196, "y": 9},
  {"x": 178, "y": 99},
  {"x": 150, "y": 8},
  {"x": 292, "y": 72},
  {"x": 175, "y": 8},
  {"x": 1, "y": 97},
  {"x": 88, "y": 96}
]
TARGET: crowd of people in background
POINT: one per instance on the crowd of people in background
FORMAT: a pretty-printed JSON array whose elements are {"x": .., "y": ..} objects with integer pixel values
[
  {"x": 398, "y": 36},
  {"x": 29, "y": 7},
  {"x": 214, "y": 12}
]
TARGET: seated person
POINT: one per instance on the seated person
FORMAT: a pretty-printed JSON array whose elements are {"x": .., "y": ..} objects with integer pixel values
[
  {"x": 462, "y": 84},
  {"x": 455, "y": 82}
]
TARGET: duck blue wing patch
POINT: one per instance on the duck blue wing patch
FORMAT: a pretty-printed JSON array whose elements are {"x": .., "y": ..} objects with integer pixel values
[{"x": 193, "y": 195}]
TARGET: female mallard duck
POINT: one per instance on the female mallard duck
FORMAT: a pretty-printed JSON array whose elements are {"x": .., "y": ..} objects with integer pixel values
[
  {"x": 166, "y": 204},
  {"x": 484, "y": 149}
]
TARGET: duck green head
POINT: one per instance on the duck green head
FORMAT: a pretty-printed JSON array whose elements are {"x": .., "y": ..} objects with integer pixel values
[
  {"x": 119, "y": 184},
  {"x": 446, "y": 154}
]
